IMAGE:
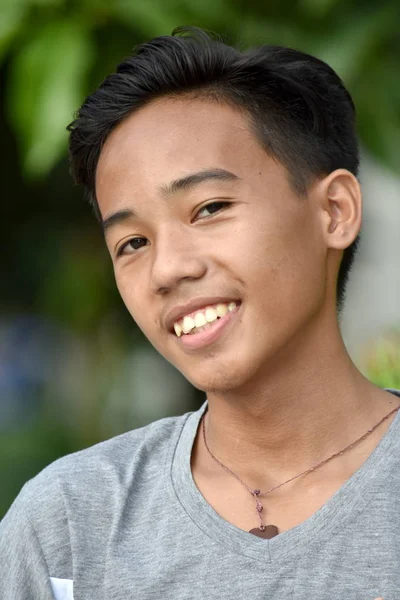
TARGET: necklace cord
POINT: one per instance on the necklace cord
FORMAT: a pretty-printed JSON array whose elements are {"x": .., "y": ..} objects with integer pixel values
[{"x": 257, "y": 493}]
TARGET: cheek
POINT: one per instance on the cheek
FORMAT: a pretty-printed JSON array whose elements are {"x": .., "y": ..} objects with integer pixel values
[
  {"x": 131, "y": 293},
  {"x": 301, "y": 282},
  {"x": 134, "y": 294},
  {"x": 287, "y": 268}
]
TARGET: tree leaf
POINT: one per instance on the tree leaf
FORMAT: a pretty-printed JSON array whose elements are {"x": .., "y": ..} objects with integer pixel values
[
  {"x": 156, "y": 17},
  {"x": 46, "y": 87},
  {"x": 317, "y": 8},
  {"x": 377, "y": 99},
  {"x": 152, "y": 17},
  {"x": 11, "y": 17},
  {"x": 348, "y": 46}
]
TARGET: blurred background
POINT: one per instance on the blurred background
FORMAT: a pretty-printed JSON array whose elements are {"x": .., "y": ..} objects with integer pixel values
[{"x": 74, "y": 369}]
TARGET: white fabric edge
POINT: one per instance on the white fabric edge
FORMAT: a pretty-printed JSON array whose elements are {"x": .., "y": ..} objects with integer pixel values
[{"x": 62, "y": 588}]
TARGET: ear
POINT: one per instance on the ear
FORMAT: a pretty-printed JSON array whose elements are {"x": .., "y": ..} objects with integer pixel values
[{"x": 340, "y": 200}]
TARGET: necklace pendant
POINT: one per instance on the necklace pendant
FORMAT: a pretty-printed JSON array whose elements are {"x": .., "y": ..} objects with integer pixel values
[{"x": 267, "y": 531}]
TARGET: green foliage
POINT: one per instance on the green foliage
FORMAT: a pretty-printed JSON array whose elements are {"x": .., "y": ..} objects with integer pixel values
[
  {"x": 11, "y": 17},
  {"x": 53, "y": 53},
  {"x": 24, "y": 453},
  {"x": 45, "y": 87},
  {"x": 58, "y": 50},
  {"x": 382, "y": 361}
]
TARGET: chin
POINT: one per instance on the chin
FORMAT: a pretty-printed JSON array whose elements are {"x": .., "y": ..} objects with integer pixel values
[{"x": 219, "y": 380}]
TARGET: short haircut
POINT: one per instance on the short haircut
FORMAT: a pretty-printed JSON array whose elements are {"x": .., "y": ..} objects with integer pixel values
[{"x": 296, "y": 105}]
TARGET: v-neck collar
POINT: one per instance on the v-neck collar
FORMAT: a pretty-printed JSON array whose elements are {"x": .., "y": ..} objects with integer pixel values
[{"x": 349, "y": 500}]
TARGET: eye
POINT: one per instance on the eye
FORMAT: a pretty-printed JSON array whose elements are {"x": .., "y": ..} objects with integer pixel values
[
  {"x": 131, "y": 246},
  {"x": 212, "y": 208}
]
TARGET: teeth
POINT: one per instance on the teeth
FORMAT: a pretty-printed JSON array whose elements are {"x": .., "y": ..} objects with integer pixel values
[
  {"x": 211, "y": 315},
  {"x": 178, "y": 329},
  {"x": 222, "y": 310},
  {"x": 200, "y": 319},
  {"x": 202, "y": 328},
  {"x": 188, "y": 324},
  {"x": 203, "y": 318}
]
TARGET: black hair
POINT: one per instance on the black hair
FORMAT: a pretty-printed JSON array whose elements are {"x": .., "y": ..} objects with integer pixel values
[{"x": 296, "y": 105}]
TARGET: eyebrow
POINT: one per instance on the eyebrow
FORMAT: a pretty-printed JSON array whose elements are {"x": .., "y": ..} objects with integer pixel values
[
  {"x": 194, "y": 179},
  {"x": 121, "y": 216},
  {"x": 183, "y": 183}
]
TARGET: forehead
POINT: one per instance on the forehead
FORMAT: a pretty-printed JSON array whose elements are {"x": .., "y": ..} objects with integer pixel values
[{"x": 170, "y": 138}]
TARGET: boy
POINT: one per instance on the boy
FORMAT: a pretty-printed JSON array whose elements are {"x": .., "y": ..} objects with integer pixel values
[{"x": 226, "y": 185}]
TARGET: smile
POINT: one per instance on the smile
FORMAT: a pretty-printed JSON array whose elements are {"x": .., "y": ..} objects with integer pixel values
[
  {"x": 202, "y": 319},
  {"x": 199, "y": 336}
]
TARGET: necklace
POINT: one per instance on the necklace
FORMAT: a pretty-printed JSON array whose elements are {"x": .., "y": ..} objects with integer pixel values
[{"x": 269, "y": 531}]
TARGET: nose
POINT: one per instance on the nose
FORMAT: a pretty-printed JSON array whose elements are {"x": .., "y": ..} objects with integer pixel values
[{"x": 177, "y": 257}]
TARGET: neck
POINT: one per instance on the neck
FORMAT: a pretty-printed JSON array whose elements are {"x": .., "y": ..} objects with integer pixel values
[{"x": 294, "y": 417}]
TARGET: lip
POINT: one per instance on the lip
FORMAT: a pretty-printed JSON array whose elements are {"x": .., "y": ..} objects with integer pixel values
[
  {"x": 200, "y": 340},
  {"x": 181, "y": 310}
]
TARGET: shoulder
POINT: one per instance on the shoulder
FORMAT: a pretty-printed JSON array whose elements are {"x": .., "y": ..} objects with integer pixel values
[
  {"x": 91, "y": 480},
  {"x": 142, "y": 449},
  {"x": 73, "y": 502}
]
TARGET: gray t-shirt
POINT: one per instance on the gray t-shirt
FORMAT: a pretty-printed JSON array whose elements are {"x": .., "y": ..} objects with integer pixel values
[{"x": 124, "y": 520}]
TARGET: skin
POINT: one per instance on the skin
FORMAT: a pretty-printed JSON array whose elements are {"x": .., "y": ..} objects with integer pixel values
[{"x": 283, "y": 392}]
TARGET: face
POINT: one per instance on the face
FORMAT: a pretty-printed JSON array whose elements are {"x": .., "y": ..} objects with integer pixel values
[{"x": 198, "y": 215}]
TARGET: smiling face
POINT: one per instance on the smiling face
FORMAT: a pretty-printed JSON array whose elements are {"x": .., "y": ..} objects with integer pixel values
[{"x": 197, "y": 215}]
